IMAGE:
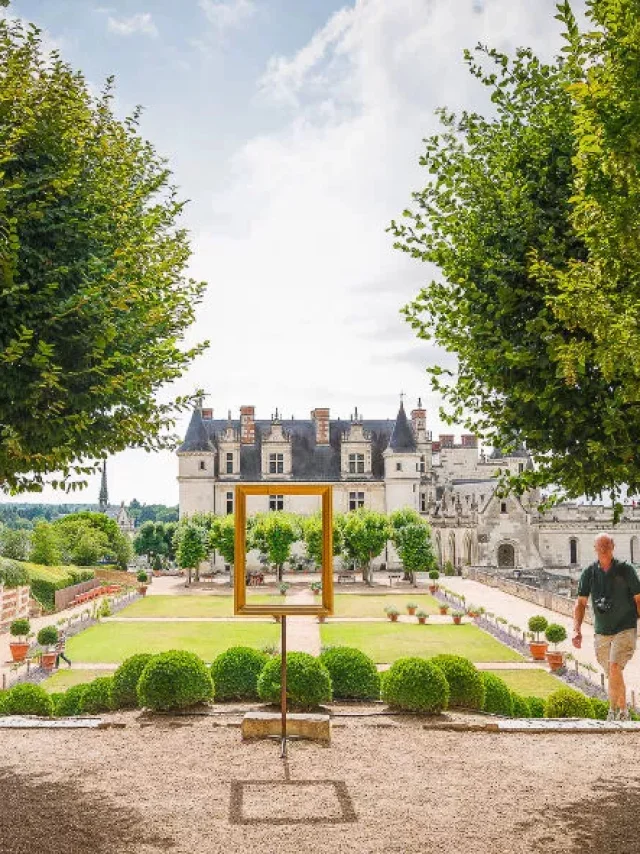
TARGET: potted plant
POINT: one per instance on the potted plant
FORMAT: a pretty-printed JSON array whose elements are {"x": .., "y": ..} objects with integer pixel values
[
  {"x": 392, "y": 613},
  {"x": 19, "y": 648},
  {"x": 143, "y": 580},
  {"x": 444, "y": 609},
  {"x": 322, "y": 618},
  {"x": 473, "y": 611},
  {"x": 48, "y": 638},
  {"x": 411, "y": 608},
  {"x": 422, "y": 617},
  {"x": 457, "y": 616},
  {"x": 283, "y": 587},
  {"x": 555, "y": 634},
  {"x": 316, "y": 587},
  {"x": 434, "y": 575},
  {"x": 537, "y": 647}
]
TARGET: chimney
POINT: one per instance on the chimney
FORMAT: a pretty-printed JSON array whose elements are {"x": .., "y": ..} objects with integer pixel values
[
  {"x": 207, "y": 414},
  {"x": 247, "y": 425},
  {"x": 469, "y": 440},
  {"x": 446, "y": 441},
  {"x": 418, "y": 418},
  {"x": 321, "y": 418}
]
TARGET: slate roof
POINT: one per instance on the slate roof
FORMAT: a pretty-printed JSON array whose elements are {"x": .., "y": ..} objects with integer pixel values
[
  {"x": 402, "y": 438},
  {"x": 197, "y": 438}
]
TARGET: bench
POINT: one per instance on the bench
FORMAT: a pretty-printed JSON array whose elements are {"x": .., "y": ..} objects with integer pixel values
[
  {"x": 347, "y": 576},
  {"x": 394, "y": 576}
]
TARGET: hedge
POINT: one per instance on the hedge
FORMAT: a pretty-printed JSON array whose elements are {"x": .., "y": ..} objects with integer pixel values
[
  {"x": 97, "y": 697},
  {"x": 568, "y": 703},
  {"x": 308, "y": 681},
  {"x": 174, "y": 680},
  {"x": 521, "y": 708},
  {"x": 466, "y": 688},
  {"x": 600, "y": 708},
  {"x": 69, "y": 703},
  {"x": 28, "y": 699},
  {"x": 353, "y": 674},
  {"x": 235, "y": 673},
  {"x": 124, "y": 690},
  {"x": 415, "y": 684},
  {"x": 536, "y": 706},
  {"x": 498, "y": 700}
]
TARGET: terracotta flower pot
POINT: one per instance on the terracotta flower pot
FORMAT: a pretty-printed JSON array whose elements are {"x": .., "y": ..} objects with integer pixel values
[
  {"x": 433, "y": 588},
  {"x": 19, "y": 650},
  {"x": 555, "y": 660},
  {"x": 443, "y": 611},
  {"x": 48, "y": 660},
  {"x": 393, "y": 617},
  {"x": 322, "y": 618},
  {"x": 456, "y": 620},
  {"x": 422, "y": 620},
  {"x": 411, "y": 612},
  {"x": 142, "y": 589},
  {"x": 538, "y": 650}
]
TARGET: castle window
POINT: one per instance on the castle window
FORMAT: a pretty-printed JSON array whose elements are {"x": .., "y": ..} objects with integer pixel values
[
  {"x": 573, "y": 550},
  {"x": 229, "y": 502},
  {"x": 356, "y": 500},
  {"x": 423, "y": 465},
  {"x": 520, "y": 468},
  {"x": 423, "y": 502},
  {"x": 503, "y": 506},
  {"x": 230, "y": 463},
  {"x": 202, "y": 465},
  {"x": 356, "y": 463},
  {"x": 398, "y": 466},
  {"x": 276, "y": 502},
  {"x": 276, "y": 463}
]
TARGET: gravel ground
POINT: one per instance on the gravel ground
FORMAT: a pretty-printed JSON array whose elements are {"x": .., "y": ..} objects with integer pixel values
[{"x": 386, "y": 784}]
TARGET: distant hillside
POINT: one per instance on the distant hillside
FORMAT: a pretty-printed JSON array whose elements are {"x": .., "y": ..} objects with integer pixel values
[{"x": 26, "y": 514}]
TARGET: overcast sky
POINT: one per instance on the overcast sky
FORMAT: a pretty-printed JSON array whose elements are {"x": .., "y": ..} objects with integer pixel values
[{"x": 295, "y": 128}]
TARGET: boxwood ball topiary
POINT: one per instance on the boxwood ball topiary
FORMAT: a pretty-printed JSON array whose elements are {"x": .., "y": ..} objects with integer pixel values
[
  {"x": 568, "y": 703},
  {"x": 28, "y": 699},
  {"x": 417, "y": 685},
  {"x": 521, "y": 708},
  {"x": 353, "y": 674},
  {"x": 497, "y": 699},
  {"x": 600, "y": 708},
  {"x": 235, "y": 673},
  {"x": 69, "y": 703},
  {"x": 125, "y": 681},
  {"x": 466, "y": 688},
  {"x": 174, "y": 680},
  {"x": 97, "y": 696},
  {"x": 536, "y": 706},
  {"x": 3, "y": 697},
  {"x": 308, "y": 681}
]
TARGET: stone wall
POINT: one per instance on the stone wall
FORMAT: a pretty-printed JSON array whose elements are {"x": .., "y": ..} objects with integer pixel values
[{"x": 14, "y": 603}]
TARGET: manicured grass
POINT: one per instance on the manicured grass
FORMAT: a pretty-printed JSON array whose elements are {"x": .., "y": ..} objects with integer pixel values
[
  {"x": 530, "y": 683},
  {"x": 193, "y": 606},
  {"x": 385, "y": 642},
  {"x": 354, "y": 605},
  {"x": 113, "y": 642},
  {"x": 63, "y": 679}
]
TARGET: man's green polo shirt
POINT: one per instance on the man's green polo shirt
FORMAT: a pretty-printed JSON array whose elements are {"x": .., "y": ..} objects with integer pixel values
[{"x": 619, "y": 584}]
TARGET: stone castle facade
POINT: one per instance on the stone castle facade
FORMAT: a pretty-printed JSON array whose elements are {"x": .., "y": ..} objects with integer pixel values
[{"x": 389, "y": 464}]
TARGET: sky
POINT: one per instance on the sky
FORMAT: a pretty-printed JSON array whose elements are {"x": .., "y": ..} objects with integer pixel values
[{"x": 294, "y": 127}]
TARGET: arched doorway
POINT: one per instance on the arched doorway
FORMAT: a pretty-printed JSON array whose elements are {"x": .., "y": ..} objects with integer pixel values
[
  {"x": 452, "y": 549},
  {"x": 467, "y": 551},
  {"x": 573, "y": 551},
  {"x": 635, "y": 550},
  {"x": 506, "y": 555}
]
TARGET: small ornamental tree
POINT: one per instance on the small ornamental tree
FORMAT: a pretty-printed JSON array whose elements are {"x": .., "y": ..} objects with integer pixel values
[
  {"x": 222, "y": 537},
  {"x": 275, "y": 533},
  {"x": 48, "y": 636},
  {"x": 312, "y": 536},
  {"x": 555, "y": 634},
  {"x": 191, "y": 547},
  {"x": 20, "y": 628},
  {"x": 537, "y": 624},
  {"x": 365, "y": 534},
  {"x": 413, "y": 542}
]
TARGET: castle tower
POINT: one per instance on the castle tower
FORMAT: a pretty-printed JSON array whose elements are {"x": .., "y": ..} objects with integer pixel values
[
  {"x": 402, "y": 466},
  {"x": 103, "y": 500},
  {"x": 196, "y": 466}
]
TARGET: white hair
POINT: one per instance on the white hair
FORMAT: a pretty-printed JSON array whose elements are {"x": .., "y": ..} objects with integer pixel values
[{"x": 602, "y": 538}]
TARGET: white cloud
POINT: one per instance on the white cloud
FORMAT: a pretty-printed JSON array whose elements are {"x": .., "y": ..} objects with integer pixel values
[
  {"x": 228, "y": 14},
  {"x": 142, "y": 22}
]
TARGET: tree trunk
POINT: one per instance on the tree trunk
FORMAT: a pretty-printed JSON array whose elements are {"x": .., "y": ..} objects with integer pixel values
[
  {"x": 279, "y": 572},
  {"x": 189, "y": 577},
  {"x": 231, "y": 574},
  {"x": 197, "y": 573}
]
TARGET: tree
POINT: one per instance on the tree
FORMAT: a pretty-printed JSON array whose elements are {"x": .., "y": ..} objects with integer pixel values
[
  {"x": 222, "y": 533},
  {"x": 170, "y": 529},
  {"x": 411, "y": 536},
  {"x": 365, "y": 534},
  {"x": 151, "y": 541},
  {"x": 89, "y": 546},
  {"x": 95, "y": 301},
  {"x": 122, "y": 550},
  {"x": 191, "y": 548},
  {"x": 516, "y": 207},
  {"x": 45, "y": 546},
  {"x": 274, "y": 533},
  {"x": 312, "y": 536},
  {"x": 15, "y": 543},
  {"x": 77, "y": 545}
]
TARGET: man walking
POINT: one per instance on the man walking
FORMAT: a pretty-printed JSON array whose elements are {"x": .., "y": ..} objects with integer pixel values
[
  {"x": 615, "y": 593},
  {"x": 60, "y": 646}
]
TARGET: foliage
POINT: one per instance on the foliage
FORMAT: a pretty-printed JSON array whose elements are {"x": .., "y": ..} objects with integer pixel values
[
  {"x": 14, "y": 544},
  {"x": 521, "y": 708},
  {"x": 274, "y": 533},
  {"x": 421, "y": 613},
  {"x": 391, "y": 610},
  {"x": 95, "y": 303},
  {"x": 191, "y": 546},
  {"x": 174, "y": 680},
  {"x": 413, "y": 543},
  {"x": 312, "y": 536},
  {"x": 537, "y": 624},
  {"x": 48, "y": 636},
  {"x": 353, "y": 674},
  {"x": 13, "y": 574},
  {"x": 45, "y": 580},
  {"x": 434, "y": 575},
  {"x": 365, "y": 534},
  {"x": 222, "y": 537},
  {"x": 235, "y": 673},
  {"x": 96, "y": 697},
  {"x": 536, "y": 706},
  {"x": 20, "y": 628},
  {"x": 417, "y": 685},
  {"x": 45, "y": 546},
  {"x": 555, "y": 634},
  {"x": 28, "y": 699},
  {"x": 142, "y": 577},
  {"x": 125, "y": 681},
  {"x": 448, "y": 568},
  {"x": 498, "y": 699},
  {"x": 69, "y": 703},
  {"x": 567, "y": 703},
  {"x": 600, "y": 708},
  {"x": 308, "y": 681},
  {"x": 150, "y": 540},
  {"x": 466, "y": 688}
]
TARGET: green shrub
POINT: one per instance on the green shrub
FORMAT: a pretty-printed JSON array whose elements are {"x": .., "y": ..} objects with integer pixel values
[
  {"x": 12, "y": 573},
  {"x": 353, "y": 674},
  {"x": 235, "y": 673},
  {"x": 96, "y": 697},
  {"x": 555, "y": 634},
  {"x": 497, "y": 699},
  {"x": 124, "y": 693},
  {"x": 600, "y": 708},
  {"x": 536, "y": 706},
  {"x": 466, "y": 688},
  {"x": 55, "y": 699},
  {"x": 48, "y": 636},
  {"x": 434, "y": 574},
  {"x": 568, "y": 703},
  {"x": 416, "y": 685},
  {"x": 20, "y": 628},
  {"x": 308, "y": 681},
  {"x": 44, "y": 590},
  {"x": 3, "y": 697},
  {"x": 142, "y": 577},
  {"x": 521, "y": 708},
  {"x": 69, "y": 703},
  {"x": 448, "y": 568},
  {"x": 174, "y": 680},
  {"x": 28, "y": 699},
  {"x": 537, "y": 624}
]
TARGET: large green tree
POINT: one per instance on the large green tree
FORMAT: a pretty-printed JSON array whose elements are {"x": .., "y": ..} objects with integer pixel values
[
  {"x": 95, "y": 302},
  {"x": 531, "y": 218},
  {"x": 222, "y": 537},
  {"x": 191, "y": 547},
  {"x": 273, "y": 534},
  {"x": 364, "y": 535}
]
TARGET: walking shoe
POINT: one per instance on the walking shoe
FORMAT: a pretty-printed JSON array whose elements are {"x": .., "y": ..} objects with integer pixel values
[
  {"x": 623, "y": 715},
  {"x": 612, "y": 715}
]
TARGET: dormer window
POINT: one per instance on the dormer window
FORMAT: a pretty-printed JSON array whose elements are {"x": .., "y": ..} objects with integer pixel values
[
  {"x": 230, "y": 463},
  {"x": 276, "y": 463},
  {"x": 503, "y": 506},
  {"x": 356, "y": 463}
]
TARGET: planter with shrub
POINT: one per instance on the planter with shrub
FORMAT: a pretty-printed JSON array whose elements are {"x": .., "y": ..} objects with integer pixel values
[
  {"x": 498, "y": 699},
  {"x": 555, "y": 634},
  {"x": 19, "y": 629},
  {"x": 124, "y": 689},
  {"x": 392, "y": 613},
  {"x": 308, "y": 681},
  {"x": 353, "y": 674},
  {"x": 434, "y": 575},
  {"x": 416, "y": 685},
  {"x": 411, "y": 608},
  {"x": 466, "y": 688},
  {"x": 567, "y": 703},
  {"x": 457, "y": 616},
  {"x": 316, "y": 587},
  {"x": 97, "y": 697},
  {"x": 48, "y": 638},
  {"x": 28, "y": 699},
  {"x": 283, "y": 587},
  {"x": 143, "y": 580},
  {"x": 235, "y": 673},
  {"x": 537, "y": 647},
  {"x": 444, "y": 609},
  {"x": 174, "y": 680},
  {"x": 422, "y": 617}
]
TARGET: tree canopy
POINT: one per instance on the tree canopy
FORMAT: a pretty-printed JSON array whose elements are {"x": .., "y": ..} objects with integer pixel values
[
  {"x": 531, "y": 216},
  {"x": 95, "y": 303}
]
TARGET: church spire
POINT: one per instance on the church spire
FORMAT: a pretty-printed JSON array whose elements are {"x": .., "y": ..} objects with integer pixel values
[{"x": 104, "y": 495}]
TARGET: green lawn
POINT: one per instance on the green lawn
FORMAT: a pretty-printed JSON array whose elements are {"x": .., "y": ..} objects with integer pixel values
[
  {"x": 355, "y": 605},
  {"x": 63, "y": 679},
  {"x": 385, "y": 642},
  {"x": 530, "y": 683},
  {"x": 113, "y": 642},
  {"x": 198, "y": 605}
]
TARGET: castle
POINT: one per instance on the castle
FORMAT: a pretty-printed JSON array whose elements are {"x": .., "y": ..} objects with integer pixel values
[{"x": 386, "y": 465}]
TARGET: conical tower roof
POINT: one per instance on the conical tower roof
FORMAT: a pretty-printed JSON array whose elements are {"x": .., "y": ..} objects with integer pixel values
[
  {"x": 402, "y": 438},
  {"x": 197, "y": 438},
  {"x": 103, "y": 499}
]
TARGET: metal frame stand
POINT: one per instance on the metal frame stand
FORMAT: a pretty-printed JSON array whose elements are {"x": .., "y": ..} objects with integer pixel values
[{"x": 283, "y": 686}]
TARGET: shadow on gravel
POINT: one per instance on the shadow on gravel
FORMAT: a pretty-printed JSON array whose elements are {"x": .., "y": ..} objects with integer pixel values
[
  {"x": 604, "y": 820},
  {"x": 37, "y": 815}
]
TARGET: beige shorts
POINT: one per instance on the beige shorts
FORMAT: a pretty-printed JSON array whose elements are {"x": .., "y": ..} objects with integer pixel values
[{"x": 615, "y": 649}]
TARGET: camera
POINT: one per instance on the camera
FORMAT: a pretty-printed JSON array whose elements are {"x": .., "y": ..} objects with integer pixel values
[{"x": 603, "y": 605}]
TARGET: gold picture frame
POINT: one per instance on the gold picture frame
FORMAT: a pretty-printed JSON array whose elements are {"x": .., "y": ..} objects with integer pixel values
[{"x": 240, "y": 605}]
